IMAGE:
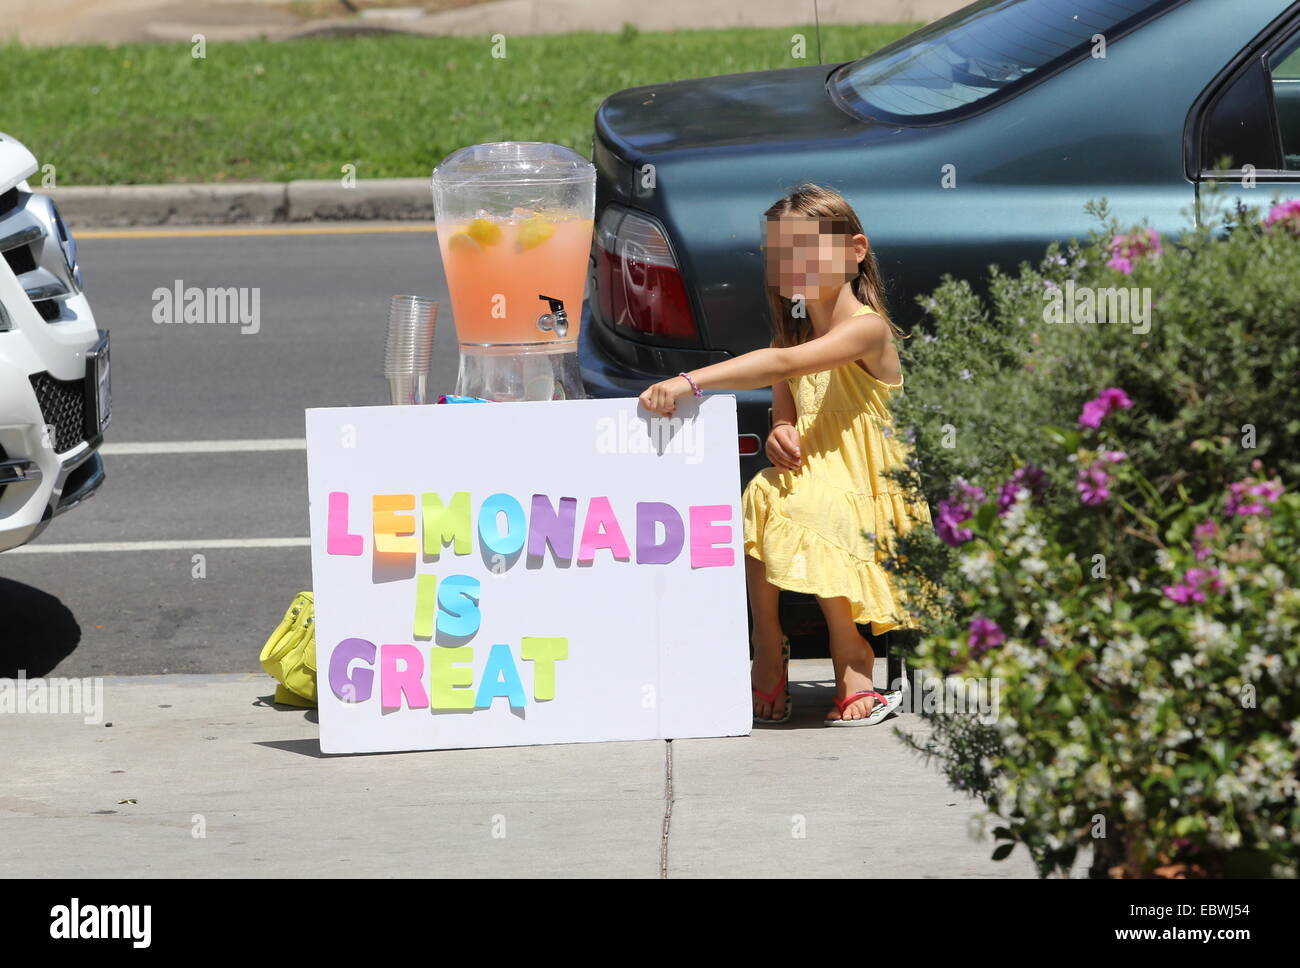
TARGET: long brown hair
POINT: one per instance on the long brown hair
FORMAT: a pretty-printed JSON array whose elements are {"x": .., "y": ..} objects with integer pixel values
[{"x": 828, "y": 205}]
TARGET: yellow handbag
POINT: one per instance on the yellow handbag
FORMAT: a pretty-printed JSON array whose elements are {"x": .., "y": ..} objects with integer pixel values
[{"x": 290, "y": 653}]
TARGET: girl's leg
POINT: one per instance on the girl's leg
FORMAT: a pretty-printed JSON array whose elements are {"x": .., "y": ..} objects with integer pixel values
[
  {"x": 764, "y": 602},
  {"x": 852, "y": 656}
]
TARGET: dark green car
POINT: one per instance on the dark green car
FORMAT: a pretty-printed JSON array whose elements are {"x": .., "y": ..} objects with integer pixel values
[{"x": 975, "y": 140}]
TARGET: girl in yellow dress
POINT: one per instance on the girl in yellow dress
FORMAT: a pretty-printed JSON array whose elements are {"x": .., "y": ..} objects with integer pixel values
[{"x": 821, "y": 519}]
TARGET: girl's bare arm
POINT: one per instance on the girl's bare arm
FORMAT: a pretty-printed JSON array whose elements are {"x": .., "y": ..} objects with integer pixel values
[
  {"x": 857, "y": 336},
  {"x": 783, "y": 408}
]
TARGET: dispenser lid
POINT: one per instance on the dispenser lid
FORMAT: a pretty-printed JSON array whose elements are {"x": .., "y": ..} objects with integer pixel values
[{"x": 513, "y": 163}]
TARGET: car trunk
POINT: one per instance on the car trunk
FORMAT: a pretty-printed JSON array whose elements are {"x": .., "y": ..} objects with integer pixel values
[{"x": 686, "y": 158}]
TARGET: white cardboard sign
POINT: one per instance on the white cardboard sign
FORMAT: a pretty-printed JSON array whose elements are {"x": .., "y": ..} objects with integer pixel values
[{"x": 503, "y": 574}]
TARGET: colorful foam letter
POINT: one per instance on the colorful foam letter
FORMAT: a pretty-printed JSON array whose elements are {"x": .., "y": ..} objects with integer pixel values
[
  {"x": 354, "y": 685},
  {"x": 545, "y": 651},
  {"x": 601, "y": 530},
  {"x": 398, "y": 683},
  {"x": 516, "y": 527},
  {"x": 546, "y": 526},
  {"x": 445, "y": 524},
  {"x": 338, "y": 540},
  {"x": 706, "y": 532},
  {"x": 447, "y": 677},
  {"x": 394, "y": 531},
  {"x": 458, "y": 612},
  {"x": 426, "y": 605},
  {"x": 500, "y": 678},
  {"x": 649, "y": 514}
]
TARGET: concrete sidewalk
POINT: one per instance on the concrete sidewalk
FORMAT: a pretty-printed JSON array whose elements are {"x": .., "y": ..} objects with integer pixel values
[{"x": 186, "y": 753}]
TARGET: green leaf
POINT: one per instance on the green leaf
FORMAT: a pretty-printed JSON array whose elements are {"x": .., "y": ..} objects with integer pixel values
[
  {"x": 1002, "y": 852},
  {"x": 1067, "y": 440}
]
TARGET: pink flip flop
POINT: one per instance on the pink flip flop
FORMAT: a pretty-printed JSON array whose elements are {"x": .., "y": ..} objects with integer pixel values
[{"x": 783, "y": 684}]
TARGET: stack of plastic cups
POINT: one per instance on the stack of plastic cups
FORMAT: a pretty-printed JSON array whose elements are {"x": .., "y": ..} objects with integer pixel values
[{"x": 408, "y": 348}]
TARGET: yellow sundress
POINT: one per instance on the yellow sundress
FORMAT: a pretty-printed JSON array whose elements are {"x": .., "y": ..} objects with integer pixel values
[{"x": 808, "y": 526}]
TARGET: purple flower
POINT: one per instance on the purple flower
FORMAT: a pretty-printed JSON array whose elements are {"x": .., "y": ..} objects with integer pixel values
[
  {"x": 1284, "y": 215},
  {"x": 947, "y": 523},
  {"x": 1033, "y": 479},
  {"x": 1095, "y": 410},
  {"x": 953, "y": 511},
  {"x": 1238, "y": 505},
  {"x": 1192, "y": 587},
  {"x": 1126, "y": 249},
  {"x": 1283, "y": 210},
  {"x": 984, "y": 634},
  {"x": 1091, "y": 414},
  {"x": 1183, "y": 594},
  {"x": 1268, "y": 490},
  {"x": 1094, "y": 485},
  {"x": 1202, "y": 534}
]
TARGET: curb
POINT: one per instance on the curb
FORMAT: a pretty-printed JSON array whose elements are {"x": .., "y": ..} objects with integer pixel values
[{"x": 116, "y": 206}]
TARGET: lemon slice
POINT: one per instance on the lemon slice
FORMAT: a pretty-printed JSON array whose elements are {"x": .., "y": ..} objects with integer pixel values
[
  {"x": 484, "y": 231},
  {"x": 462, "y": 242},
  {"x": 534, "y": 231}
]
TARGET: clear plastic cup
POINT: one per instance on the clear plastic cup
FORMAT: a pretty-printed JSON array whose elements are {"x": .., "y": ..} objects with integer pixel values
[{"x": 408, "y": 347}]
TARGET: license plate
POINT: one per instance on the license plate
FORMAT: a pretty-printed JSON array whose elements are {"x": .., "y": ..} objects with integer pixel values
[{"x": 100, "y": 395}]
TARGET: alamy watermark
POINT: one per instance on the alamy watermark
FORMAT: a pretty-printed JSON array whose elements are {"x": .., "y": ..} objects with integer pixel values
[
  {"x": 1124, "y": 306},
  {"x": 83, "y": 697},
  {"x": 75, "y": 921},
  {"x": 214, "y": 304},
  {"x": 953, "y": 695},
  {"x": 629, "y": 434}
]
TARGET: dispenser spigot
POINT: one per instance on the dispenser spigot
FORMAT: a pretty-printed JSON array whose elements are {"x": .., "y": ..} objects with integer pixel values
[{"x": 557, "y": 318}]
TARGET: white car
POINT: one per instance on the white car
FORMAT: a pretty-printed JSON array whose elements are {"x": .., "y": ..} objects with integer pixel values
[{"x": 55, "y": 399}]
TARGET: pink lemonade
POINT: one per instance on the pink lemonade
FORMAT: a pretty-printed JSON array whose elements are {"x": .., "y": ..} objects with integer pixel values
[{"x": 496, "y": 268}]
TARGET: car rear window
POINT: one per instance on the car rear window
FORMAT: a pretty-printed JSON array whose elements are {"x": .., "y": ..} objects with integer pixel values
[{"x": 981, "y": 53}]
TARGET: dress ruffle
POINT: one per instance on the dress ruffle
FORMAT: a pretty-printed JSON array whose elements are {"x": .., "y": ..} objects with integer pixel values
[
  {"x": 828, "y": 528},
  {"x": 800, "y": 557}
]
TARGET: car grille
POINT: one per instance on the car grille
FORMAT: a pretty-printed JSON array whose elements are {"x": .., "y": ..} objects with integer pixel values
[
  {"x": 39, "y": 251},
  {"x": 63, "y": 407}
]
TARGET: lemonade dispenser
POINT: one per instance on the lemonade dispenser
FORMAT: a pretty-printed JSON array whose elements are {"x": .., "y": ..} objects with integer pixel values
[{"x": 514, "y": 230}]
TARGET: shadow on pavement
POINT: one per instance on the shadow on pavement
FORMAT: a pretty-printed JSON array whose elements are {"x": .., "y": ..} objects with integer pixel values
[{"x": 37, "y": 631}]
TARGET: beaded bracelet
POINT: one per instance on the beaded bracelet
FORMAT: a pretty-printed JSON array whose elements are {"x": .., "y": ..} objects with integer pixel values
[{"x": 698, "y": 391}]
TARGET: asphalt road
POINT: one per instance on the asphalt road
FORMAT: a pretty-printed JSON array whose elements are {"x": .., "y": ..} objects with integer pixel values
[{"x": 323, "y": 308}]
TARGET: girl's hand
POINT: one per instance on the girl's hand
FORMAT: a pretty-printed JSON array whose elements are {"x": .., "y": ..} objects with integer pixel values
[
  {"x": 783, "y": 447},
  {"x": 661, "y": 398}
]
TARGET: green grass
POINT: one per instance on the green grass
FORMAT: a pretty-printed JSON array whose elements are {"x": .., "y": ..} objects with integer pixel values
[{"x": 393, "y": 106}]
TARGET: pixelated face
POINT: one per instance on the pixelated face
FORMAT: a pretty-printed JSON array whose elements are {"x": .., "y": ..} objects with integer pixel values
[{"x": 808, "y": 256}]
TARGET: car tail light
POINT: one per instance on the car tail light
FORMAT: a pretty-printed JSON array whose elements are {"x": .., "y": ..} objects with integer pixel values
[
  {"x": 749, "y": 444},
  {"x": 638, "y": 282}
]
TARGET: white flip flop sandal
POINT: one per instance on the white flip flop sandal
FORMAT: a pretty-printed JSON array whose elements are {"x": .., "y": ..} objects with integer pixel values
[{"x": 885, "y": 705}]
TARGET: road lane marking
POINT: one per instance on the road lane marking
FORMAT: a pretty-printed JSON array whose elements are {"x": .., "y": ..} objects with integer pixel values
[
  {"x": 60, "y": 549},
  {"x": 253, "y": 230},
  {"x": 204, "y": 446}
]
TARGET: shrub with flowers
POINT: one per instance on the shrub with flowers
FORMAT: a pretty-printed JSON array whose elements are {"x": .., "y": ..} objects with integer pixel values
[
  {"x": 1127, "y": 249},
  {"x": 1117, "y": 545}
]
